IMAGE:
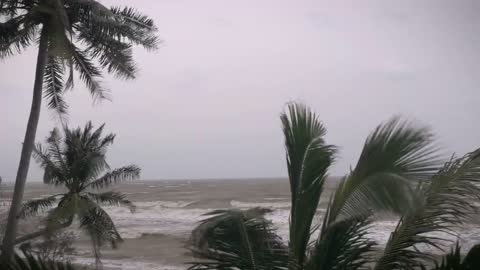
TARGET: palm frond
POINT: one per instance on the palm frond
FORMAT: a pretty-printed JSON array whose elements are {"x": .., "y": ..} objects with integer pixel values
[
  {"x": 55, "y": 149},
  {"x": 111, "y": 198},
  {"x": 124, "y": 25},
  {"x": 454, "y": 261},
  {"x": 89, "y": 73},
  {"x": 54, "y": 85},
  {"x": 99, "y": 226},
  {"x": 118, "y": 175},
  {"x": 395, "y": 157},
  {"x": 68, "y": 206},
  {"x": 308, "y": 159},
  {"x": 15, "y": 35},
  {"x": 112, "y": 54},
  {"x": 85, "y": 153},
  {"x": 134, "y": 18},
  {"x": 448, "y": 200},
  {"x": 342, "y": 245},
  {"x": 33, "y": 207},
  {"x": 28, "y": 261},
  {"x": 236, "y": 239},
  {"x": 53, "y": 173},
  {"x": 451, "y": 261}
]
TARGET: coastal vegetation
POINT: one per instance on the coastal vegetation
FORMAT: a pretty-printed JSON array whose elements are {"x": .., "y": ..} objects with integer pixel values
[
  {"x": 73, "y": 35},
  {"x": 399, "y": 172}
]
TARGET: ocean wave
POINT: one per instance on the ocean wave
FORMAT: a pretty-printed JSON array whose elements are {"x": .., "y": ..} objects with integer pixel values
[
  {"x": 163, "y": 204},
  {"x": 270, "y": 204},
  {"x": 159, "y": 217},
  {"x": 125, "y": 264}
]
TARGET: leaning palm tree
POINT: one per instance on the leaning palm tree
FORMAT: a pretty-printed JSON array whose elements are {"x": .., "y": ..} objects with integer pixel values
[
  {"x": 73, "y": 35},
  {"x": 398, "y": 172},
  {"x": 76, "y": 162}
]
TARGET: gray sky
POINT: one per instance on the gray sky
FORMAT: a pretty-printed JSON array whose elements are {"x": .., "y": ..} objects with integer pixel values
[{"x": 206, "y": 104}]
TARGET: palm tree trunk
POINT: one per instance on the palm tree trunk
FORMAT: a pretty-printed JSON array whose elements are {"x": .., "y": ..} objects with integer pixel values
[{"x": 27, "y": 148}]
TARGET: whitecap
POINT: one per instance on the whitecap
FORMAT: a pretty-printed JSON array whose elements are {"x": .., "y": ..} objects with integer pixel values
[{"x": 273, "y": 205}]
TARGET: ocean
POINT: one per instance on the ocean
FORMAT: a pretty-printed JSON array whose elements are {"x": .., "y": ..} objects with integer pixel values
[{"x": 156, "y": 233}]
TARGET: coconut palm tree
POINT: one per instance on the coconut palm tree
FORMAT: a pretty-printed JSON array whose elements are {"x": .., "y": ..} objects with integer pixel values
[
  {"x": 72, "y": 35},
  {"x": 398, "y": 172},
  {"x": 75, "y": 162}
]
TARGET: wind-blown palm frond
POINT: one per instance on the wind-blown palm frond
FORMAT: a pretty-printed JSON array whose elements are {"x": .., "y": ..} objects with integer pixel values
[
  {"x": 126, "y": 173},
  {"x": 115, "y": 56},
  {"x": 53, "y": 173},
  {"x": 134, "y": 18},
  {"x": 85, "y": 152},
  {"x": 453, "y": 260},
  {"x": 16, "y": 35},
  {"x": 394, "y": 158},
  {"x": 27, "y": 261},
  {"x": 235, "y": 239},
  {"x": 99, "y": 226},
  {"x": 447, "y": 201},
  {"x": 53, "y": 85},
  {"x": 115, "y": 25},
  {"x": 89, "y": 74},
  {"x": 342, "y": 245},
  {"x": 308, "y": 159},
  {"x": 111, "y": 198},
  {"x": 32, "y": 207},
  {"x": 64, "y": 213}
]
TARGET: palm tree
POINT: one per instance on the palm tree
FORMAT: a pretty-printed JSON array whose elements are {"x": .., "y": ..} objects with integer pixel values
[
  {"x": 249, "y": 234},
  {"x": 398, "y": 172},
  {"x": 75, "y": 162},
  {"x": 72, "y": 35}
]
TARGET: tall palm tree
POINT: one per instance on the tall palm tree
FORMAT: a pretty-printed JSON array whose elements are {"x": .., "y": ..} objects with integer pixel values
[
  {"x": 72, "y": 35},
  {"x": 76, "y": 162},
  {"x": 398, "y": 172}
]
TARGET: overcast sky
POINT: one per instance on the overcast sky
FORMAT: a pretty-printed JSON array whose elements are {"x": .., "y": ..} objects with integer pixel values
[{"x": 207, "y": 103}]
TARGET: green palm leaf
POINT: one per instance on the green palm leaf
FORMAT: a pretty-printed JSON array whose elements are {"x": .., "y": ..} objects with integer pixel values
[
  {"x": 111, "y": 198},
  {"x": 343, "y": 245},
  {"x": 16, "y": 34},
  {"x": 99, "y": 226},
  {"x": 53, "y": 171},
  {"x": 395, "y": 157},
  {"x": 236, "y": 239},
  {"x": 54, "y": 85},
  {"x": 446, "y": 203},
  {"x": 308, "y": 159},
  {"x": 89, "y": 73},
  {"x": 27, "y": 261},
  {"x": 33, "y": 207},
  {"x": 126, "y": 173}
]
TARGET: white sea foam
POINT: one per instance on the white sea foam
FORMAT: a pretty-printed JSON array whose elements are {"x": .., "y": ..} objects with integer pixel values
[
  {"x": 125, "y": 264},
  {"x": 165, "y": 217},
  {"x": 270, "y": 204},
  {"x": 277, "y": 199}
]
